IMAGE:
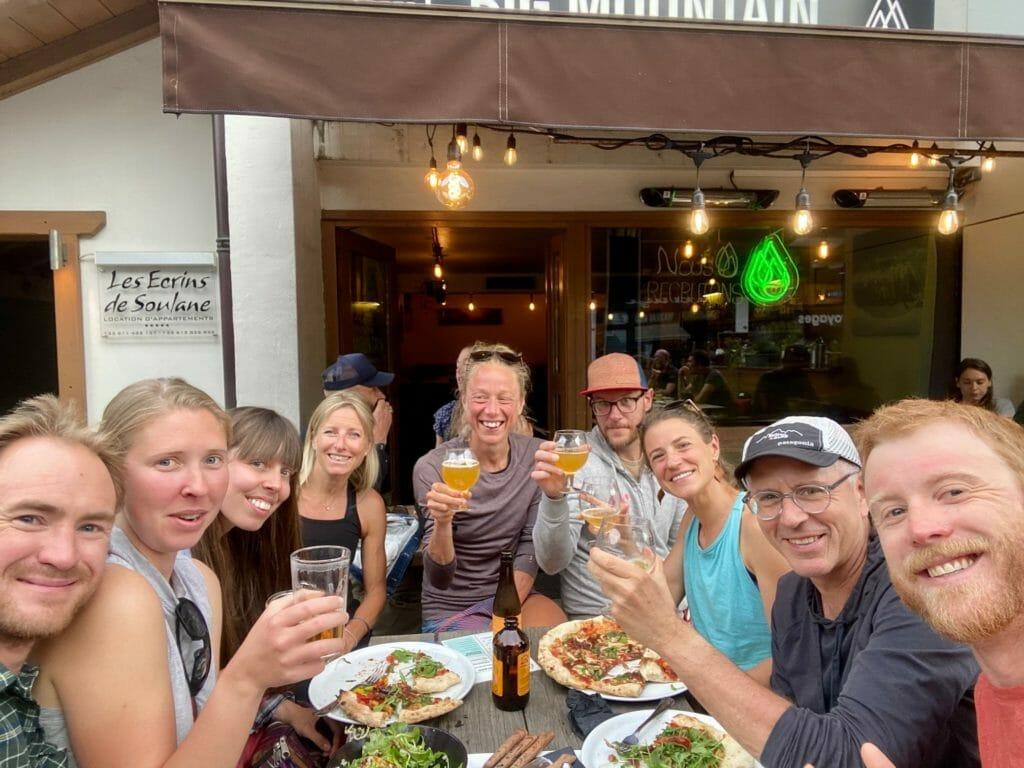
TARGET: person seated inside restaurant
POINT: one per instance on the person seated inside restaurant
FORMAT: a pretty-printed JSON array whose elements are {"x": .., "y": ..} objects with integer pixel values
[
  {"x": 465, "y": 531},
  {"x": 973, "y": 386},
  {"x": 60, "y": 485},
  {"x": 783, "y": 390},
  {"x": 944, "y": 484},
  {"x": 338, "y": 505},
  {"x": 702, "y": 383},
  {"x": 619, "y": 399},
  {"x": 850, "y": 662},
  {"x": 662, "y": 375},
  {"x": 729, "y": 569},
  {"x": 134, "y": 681},
  {"x": 356, "y": 374},
  {"x": 249, "y": 542}
]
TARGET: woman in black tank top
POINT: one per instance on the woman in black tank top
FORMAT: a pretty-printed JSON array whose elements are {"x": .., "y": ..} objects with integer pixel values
[{"x": 337, "y": 502}]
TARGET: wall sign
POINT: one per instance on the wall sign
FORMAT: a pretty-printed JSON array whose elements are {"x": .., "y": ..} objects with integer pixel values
[
  {"x": 876, "y": 14},
  {"x": 770, "y": 276},
  {"x": 147, "y": 296}
]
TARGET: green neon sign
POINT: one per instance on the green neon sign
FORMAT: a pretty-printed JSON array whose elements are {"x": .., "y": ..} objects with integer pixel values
[{"x": 770, "y": 275}]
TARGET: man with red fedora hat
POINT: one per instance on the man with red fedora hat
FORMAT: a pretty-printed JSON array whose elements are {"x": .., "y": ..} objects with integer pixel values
[{"x": 619, "y": 399}]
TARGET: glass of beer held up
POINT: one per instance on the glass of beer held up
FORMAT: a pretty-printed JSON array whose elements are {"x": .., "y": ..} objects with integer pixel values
[
  {"x": 573, "y": 450},
  {"x": 324, "y": 570},
  {"x": 460, "y": 470}
]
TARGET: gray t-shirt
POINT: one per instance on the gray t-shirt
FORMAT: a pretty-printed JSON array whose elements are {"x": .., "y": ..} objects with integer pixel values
[{"x": 501, "y": 515}]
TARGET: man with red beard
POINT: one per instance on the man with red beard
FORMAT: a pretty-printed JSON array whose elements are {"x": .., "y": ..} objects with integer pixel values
[
  {"x": 945, "y": 488},
  {"x": 58, "y": 495}
]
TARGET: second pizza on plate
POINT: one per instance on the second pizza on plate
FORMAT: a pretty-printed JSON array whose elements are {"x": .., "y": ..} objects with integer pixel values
[{"x": 597, "y": 655}]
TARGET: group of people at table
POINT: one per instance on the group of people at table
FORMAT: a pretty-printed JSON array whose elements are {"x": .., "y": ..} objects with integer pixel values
[{"x": 842, "y": 596}]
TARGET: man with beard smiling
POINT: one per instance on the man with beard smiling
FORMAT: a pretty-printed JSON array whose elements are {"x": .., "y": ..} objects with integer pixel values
[
  {"x": 851, "y": 664},
  {"x": 57, "y": 502},
  {"x": 944, "y": 486},
  {"x": 619, "y": 399}
]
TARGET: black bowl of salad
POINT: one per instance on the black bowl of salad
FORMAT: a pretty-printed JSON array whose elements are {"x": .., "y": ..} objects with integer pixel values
[{"x": 401, "y": 746}]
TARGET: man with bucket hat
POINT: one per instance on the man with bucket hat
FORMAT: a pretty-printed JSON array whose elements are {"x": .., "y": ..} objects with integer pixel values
[
  {"x": 851, "y": 663},
  {"x": 354, "y": 372},
  {"x": 619, "y": 399}
]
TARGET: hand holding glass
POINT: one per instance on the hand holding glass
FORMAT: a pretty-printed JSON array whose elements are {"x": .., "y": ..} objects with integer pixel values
[
  {"x": 629, "y": 537},
  {"x": 323, "y": 570},
  {"x": 460, "y": 470},
  {"x": 600, "y": 499},
  {"x": 573, "y": 449}
]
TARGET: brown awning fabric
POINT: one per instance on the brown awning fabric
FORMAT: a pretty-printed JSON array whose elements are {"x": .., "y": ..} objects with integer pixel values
[{"x": 415, "y": 65}]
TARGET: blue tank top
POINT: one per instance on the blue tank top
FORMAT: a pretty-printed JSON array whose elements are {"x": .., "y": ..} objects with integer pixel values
[{"x": 725, "y": 603}]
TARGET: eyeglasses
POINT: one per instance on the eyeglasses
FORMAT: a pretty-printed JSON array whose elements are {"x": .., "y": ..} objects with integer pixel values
[
  {"x": 812, "y": 499},
  {"x": 487, "y": 354},
  {"x": 625, "y": 404},
  {"x": 188, "y": 617}
]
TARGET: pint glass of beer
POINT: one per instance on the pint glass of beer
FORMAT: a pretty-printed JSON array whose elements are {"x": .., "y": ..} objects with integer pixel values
[
  {"x": 460, "y": 470},
  {"x": 324, "y": 570}
]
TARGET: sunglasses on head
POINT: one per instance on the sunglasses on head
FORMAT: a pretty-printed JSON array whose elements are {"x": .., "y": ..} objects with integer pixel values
[
  {"x": 487, "y": 354},
  {"x": 189, "y": 618}
]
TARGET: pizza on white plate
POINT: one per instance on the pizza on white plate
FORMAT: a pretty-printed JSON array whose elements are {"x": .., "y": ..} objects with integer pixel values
[{"x": 685, "y": 741}]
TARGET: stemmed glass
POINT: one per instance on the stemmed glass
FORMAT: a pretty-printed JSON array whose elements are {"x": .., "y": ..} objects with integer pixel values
[
  {"x": 629, "y": 537},
  {"x": 460, "y": 470},
  {"x": 573, "y": 449},
  {"x": 600, "y": 499}
]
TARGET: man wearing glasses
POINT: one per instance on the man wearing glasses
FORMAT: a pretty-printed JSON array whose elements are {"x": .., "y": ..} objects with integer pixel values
[
  {"x": 619, "y": 399},
  {"x": 851, "y": 663},
  {"x": 57, "y": 501}
]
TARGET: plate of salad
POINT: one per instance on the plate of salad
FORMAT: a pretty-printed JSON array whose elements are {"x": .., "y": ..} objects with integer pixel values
[
  {"x": 401, "y": 746},
  {"x": 417, "y": 681},
  {"x": 675, "y": 739}
]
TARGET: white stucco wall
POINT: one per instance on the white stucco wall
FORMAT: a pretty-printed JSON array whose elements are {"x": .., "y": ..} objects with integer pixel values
[{"x": 96, "y": 140}]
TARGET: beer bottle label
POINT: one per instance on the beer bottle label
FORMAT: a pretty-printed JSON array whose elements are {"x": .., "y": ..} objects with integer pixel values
[
  {"x": 523, "y": 673},
  {"x": 498, "y": 623},
  {"x": 497, "y": 676}
]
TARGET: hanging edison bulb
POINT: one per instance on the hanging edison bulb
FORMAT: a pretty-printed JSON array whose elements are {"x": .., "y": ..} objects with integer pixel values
[
  {"x": 532, "y": 305},
  {"x": 471, "y": 306},
  {"x": 949, "y": 219},
  {"x": 438, "y": 273},
  {"x": 695, "y": 308},
  {"x": 803, "y": 221},
  {"x": 915, "y": 156},
  {"x": 699, "y": 221},
  {"x": 460, "y": 137},
  {"x": 704, "y": 259},
  {"x": 455, "y": 188},
  {"x": 611, "y": 317},
  {"x": 933, "y": 156},
  {"x": 478, "y": 150},
  {"x": 432, "y": 177},
  {"x": 511, "y": 156},
  {"x": 823, "y": 249},
  {"x": 593, "y": 304},
  {"x": 641, "y": 314},
  {"x": 988, "y": 164},
  {"x": 688, "y": 249}
]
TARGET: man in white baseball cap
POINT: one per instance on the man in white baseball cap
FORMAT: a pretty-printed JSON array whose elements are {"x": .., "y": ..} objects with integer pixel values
[{"x": 851, "y": 663}]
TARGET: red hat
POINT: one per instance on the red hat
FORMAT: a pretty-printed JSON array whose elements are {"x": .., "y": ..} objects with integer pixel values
[{"x": 614, "y": 371}]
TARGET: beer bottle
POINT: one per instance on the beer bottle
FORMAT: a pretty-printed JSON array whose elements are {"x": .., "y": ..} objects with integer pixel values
[
  {"x": 510, "y": 677},
  {"x": 506, "y": 598}
]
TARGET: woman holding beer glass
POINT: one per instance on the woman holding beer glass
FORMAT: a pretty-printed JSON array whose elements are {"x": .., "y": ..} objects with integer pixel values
[
  {"x": 466, "y": 529},
  {"x": 249, "y": 542},
  {"x": 731, "y": 571},
  {"x": 338, "y": 505},
  {"x": 134, "y": 682}
]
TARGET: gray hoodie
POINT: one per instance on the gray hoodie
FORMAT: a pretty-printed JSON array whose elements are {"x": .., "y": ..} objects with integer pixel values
[{"x": 562, "y": 541}]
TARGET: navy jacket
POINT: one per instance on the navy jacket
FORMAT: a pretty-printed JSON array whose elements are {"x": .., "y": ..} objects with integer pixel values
[{"x": 897, "y": 683}]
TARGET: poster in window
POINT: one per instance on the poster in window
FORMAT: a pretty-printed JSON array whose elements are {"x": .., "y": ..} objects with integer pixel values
[{"x": 888, "y": 280}]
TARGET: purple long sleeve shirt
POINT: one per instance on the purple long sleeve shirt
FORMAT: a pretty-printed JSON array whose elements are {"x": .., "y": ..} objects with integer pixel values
[{"x": 501, "y": 515}]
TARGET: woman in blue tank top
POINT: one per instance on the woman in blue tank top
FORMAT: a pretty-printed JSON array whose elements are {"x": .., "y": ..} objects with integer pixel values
[{"x": 728, "y": 569}]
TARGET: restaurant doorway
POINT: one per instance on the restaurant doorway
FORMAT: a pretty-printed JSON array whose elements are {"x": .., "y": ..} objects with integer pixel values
[{"x": 493, "y": 287}]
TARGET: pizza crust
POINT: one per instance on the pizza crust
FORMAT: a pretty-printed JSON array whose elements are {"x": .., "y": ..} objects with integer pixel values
[
  {"x": 653, "y": 671},
  {"x": 436, "y": 684},
  {"x": 438, "y": 708},
  {"x": 360, "y": 712}
]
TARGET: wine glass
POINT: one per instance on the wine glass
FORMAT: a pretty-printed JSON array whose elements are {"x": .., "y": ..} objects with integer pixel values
[
  {"x": 573, "y": 449},
  {"x": 629, "y": 537},
  {"x": 600, "y": 499},
  {"x": 460, "y": 470}
]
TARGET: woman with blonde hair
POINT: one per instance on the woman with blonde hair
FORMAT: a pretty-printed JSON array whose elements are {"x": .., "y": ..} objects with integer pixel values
[
  {"x": 462, "y": 546},
  {"x": 728, "y": 568},
  {"x": 135, "y": 682},
  {"x": 337, "y": 503}
]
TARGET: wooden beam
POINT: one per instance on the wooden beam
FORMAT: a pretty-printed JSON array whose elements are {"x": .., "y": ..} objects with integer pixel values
[
  {"x": 39, "y": 223},
  {"x": 79, "y": 49},
  {"x": 67, "y": 294}
]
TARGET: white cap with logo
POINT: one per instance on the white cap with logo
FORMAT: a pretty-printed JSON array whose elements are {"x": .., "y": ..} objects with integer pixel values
[{"x": 813, "y": 440}]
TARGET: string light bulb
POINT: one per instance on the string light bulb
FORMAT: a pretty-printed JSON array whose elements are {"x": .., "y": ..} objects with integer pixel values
[
  {"x": 437, "y": 270},
  {"x": 695, "y": 308},
  {"x": 704, "y": 259},
  {"x": 471, "y": 306},
  {"x": 823, "y": 249},
  {"x": 988, "y": 164},
  {"x": 511, "y": 156},
  {"x": 803, "y": 221},
  {"x": 712, "y": 281},
  {"x": 532, "y": 305},
  {"x": 699, "y": 221},
  {"x": 915, "y": 156},
  {"x": 949, "y": 219},
  {"x": 611, "y": 316},
  {"x": 688, "y": 249},
  {"x": 593, "y": 304},
  {"x": 460, "y": 137},
  {"x": 641, "y": 314},
  {"x": 933, "y": 158},
  {"x": 455, "y": 188},
  {"x": 433, "y": 176},
  {"x": 478, "y": 150}
]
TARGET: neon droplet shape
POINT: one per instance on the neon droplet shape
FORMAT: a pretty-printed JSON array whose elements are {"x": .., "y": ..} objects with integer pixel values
[{"x": 770, "y": 275}]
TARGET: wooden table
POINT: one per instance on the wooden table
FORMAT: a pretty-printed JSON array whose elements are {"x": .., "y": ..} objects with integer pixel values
[{"x": 482, "y": 727}]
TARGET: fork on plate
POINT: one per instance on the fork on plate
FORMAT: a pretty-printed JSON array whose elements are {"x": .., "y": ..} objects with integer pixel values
[
  {"x": 372, "y": 674},
  {"x": 634, "y": 738}
]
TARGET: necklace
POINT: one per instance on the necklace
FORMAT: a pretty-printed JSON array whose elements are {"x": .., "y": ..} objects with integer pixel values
[{"x": 631, "y": 462}]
